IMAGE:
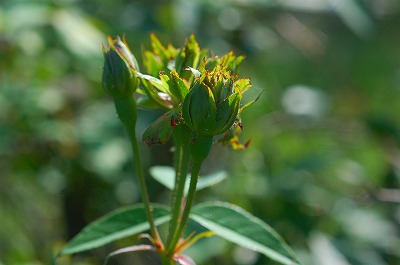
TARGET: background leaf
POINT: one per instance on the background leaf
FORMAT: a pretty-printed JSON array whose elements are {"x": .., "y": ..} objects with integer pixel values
[
  {"x": 166, "y": 176},
  {"x": 118, "y": 224},
  {"x": 240, "y": 227}
]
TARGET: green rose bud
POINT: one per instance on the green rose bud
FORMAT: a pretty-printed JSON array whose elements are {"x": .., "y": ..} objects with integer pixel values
[
  {"x": 199, "y": 109},
  {"x": 118, "y": 71},
  {"x": 212, "y": 105}
]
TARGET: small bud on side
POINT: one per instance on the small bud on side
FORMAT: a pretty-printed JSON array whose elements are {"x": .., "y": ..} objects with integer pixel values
[{"x": 118, "y": 79}]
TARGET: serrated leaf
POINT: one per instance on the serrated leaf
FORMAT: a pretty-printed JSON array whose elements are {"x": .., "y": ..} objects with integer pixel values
[
  {"x": 240, "y": 227},
  {"x": 166, "y": 176},
  {"x": 123, "y": 222}
]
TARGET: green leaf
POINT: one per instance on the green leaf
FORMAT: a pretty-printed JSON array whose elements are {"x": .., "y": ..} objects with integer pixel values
[
  {"x": 188, "y": 57},
  {"x": 146, "y": 102},
  {"x": 242, "y": 85},
  {"x": 154, "y": 81},
  {"x": 178, "y": 87},
  {"x": 251, "y": 102},
  {"x": 202, "y": 109},
  {"x": 152, "y": 63},
  {"x": 166, "y": 176},
  {"x": 159, "y": 132},
  {"x": 118, "y": 224},
  {"x": 240, "y": 227},
  {"x": 152, "y": 92},
  {"x": 232, "y": 62},
  {"x": 227, "y": 112},
  {"x": 162, "y": 58},
  {"x": 159, "y": 49}
]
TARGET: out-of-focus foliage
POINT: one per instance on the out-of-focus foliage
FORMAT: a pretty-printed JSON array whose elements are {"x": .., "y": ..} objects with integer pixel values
[{"x": 323, "y": 165}]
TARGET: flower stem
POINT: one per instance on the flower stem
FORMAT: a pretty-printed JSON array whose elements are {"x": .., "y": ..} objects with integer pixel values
[
  {"x": 199, "y": 151},
  {"x": 166, "y": 260},
  {"x": 196, "y": 166},
  {"x": 181, "y": 136},
  {"x": 127, "y": 112}
]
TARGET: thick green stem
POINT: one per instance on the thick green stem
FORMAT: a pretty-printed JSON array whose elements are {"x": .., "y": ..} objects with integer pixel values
[
  {"x": 196, "y": 166},
  {"x": 127, "y": 112},
  {"x": 199, "y": 151},
  {"x": 181, "y": 136},
  {"x": 166, "y": 260}
]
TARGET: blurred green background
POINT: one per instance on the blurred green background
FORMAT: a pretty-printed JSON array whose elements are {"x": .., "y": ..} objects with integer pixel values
[{"x": 323, "y": 167}]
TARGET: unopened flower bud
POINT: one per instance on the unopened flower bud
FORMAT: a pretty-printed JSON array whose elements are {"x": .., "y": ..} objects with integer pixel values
[
  {"x": 199, "y": 109},
  {"x": 118, "y": 78},
  {"x": 206, "y": 115}
]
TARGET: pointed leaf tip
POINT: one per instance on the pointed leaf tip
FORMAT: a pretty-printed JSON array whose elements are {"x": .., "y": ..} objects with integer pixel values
[{"x": 240, "y": 227}]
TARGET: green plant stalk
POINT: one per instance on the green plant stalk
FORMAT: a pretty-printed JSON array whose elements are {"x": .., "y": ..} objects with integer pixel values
[
  {"x": 127, "y": 112},
  {"x": 196, "y": 167},
  {"x": 181, "y": 136},
  {"x": 199, "y": 150},
  {"x": 166, "y": 259}
]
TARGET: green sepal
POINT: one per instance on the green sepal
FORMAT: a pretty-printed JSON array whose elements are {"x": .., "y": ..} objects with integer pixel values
[
  {"x": 231, "y": 62},
  {"x": 122, "y": 48},
  {"x": 227, "y": 89},
  {"x": 227, "y": 112},
  {"x": 242, "y": 85},
  {"x": 200, "y": 147},
  {"x": 158, "y": 48},
  {"x": 162, "y": 55},
  {"x": 149, "y": 87},
  {"x": 178, "y": 87},
  {"x": 152, "y": 62},
  {"x": 146, "y": 102},
  {"x": 188, "y": 57},
  {"x": 186, "y": 109},
  {"x": 160, "y": 131},
  {"x": 203, "y": 110},
  {"x": 248, "y": 104},
  {"x": 157, "y": 83}
]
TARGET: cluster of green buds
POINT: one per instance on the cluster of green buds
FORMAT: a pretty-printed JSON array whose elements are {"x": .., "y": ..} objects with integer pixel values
[
  {"x": 195, "y": 89},
  {"x": 201, "y": 91},
  {"x": 212, "y": 105},
  {"x": 202, "y": 98}
]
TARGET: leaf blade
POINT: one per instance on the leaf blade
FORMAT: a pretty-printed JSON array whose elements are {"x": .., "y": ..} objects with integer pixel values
[
  {"x": 120, "y": 223},
  {"x": 240, "y": 227},
  {"x": 165, "y": 175}
]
